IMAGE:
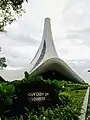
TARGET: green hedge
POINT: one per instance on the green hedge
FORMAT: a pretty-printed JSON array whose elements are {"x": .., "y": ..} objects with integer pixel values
[{"x": 67, "y": 110}]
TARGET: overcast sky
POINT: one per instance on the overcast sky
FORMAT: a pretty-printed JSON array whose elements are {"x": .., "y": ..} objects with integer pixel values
[{"x": 70, "y": 22}]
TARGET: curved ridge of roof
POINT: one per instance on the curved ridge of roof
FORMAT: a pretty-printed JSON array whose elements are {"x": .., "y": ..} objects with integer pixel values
[{"x": 61, "y": 67}]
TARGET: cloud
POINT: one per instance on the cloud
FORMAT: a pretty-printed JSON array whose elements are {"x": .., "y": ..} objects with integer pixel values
[
  {"x": 81, "y": 67},
  {"x": 18, "y": 56},
  {"x": 24, "y": 39},
  {"x": 77, "y": 52},
  {"x": 81, "y": 35}
]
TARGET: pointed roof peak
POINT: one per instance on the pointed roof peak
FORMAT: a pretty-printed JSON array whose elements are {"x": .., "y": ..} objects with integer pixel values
[
  {"x": 47, "y": 28},
  {"x": 47, "y": 19},
  {"x": 47, "y": 23}
]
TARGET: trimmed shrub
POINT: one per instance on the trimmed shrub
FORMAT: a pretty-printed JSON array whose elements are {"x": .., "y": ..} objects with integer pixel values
[
  {"x": 67, "y": 109},
  {"x": 64, "y": 98}
]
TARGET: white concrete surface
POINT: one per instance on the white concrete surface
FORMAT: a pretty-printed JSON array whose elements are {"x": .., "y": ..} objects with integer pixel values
[{"x": 84, "y": 106}]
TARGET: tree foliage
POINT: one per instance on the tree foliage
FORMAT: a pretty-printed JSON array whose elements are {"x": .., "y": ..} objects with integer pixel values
[
  {"x": 9, "y": 9},
  {"x": 2, "y": 61}
]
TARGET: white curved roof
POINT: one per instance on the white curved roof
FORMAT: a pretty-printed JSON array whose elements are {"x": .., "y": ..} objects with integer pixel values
[{"x": 58, "y": 65}]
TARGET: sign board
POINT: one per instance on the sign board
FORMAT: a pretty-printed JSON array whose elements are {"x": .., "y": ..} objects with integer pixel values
[{"x": 37, "y": 94}]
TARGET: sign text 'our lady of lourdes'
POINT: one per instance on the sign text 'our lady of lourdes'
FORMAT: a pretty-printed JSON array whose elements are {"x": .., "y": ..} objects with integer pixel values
[{"x": 37, "y": 96}]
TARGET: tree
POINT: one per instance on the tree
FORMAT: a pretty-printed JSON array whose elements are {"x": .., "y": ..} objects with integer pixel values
[
  {"x": 2, "y": 61},
  {"x": 9, "y": 9}
]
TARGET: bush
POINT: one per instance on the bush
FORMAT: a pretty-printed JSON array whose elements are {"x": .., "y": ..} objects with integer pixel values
[
  {"x": 11, "y": 90},
  {"x": 78, "y": 86},
  {"x": 64, "y": 98},
  {"x": 67, "y": 112}
]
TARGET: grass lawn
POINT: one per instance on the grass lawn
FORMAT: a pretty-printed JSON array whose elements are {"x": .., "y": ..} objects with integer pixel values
[{"x": 78, "y": 97}]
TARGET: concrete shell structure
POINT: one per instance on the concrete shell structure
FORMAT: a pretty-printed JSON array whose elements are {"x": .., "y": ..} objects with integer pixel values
[{"x": 45, "y": 59}]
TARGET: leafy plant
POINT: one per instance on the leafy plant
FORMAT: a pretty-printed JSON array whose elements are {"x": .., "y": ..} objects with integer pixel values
[
  {"x": 70, "y": 94},
  {"x": 65, "y": 98}
]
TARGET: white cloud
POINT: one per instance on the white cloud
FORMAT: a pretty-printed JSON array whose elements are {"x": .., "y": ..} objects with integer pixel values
[{"x": 77, "y": 52}]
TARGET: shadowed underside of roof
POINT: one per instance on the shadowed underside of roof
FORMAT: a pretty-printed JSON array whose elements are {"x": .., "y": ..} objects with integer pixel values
[
  {"x": 58, "y": 65},
  {"x": 1, "y": 79}
]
